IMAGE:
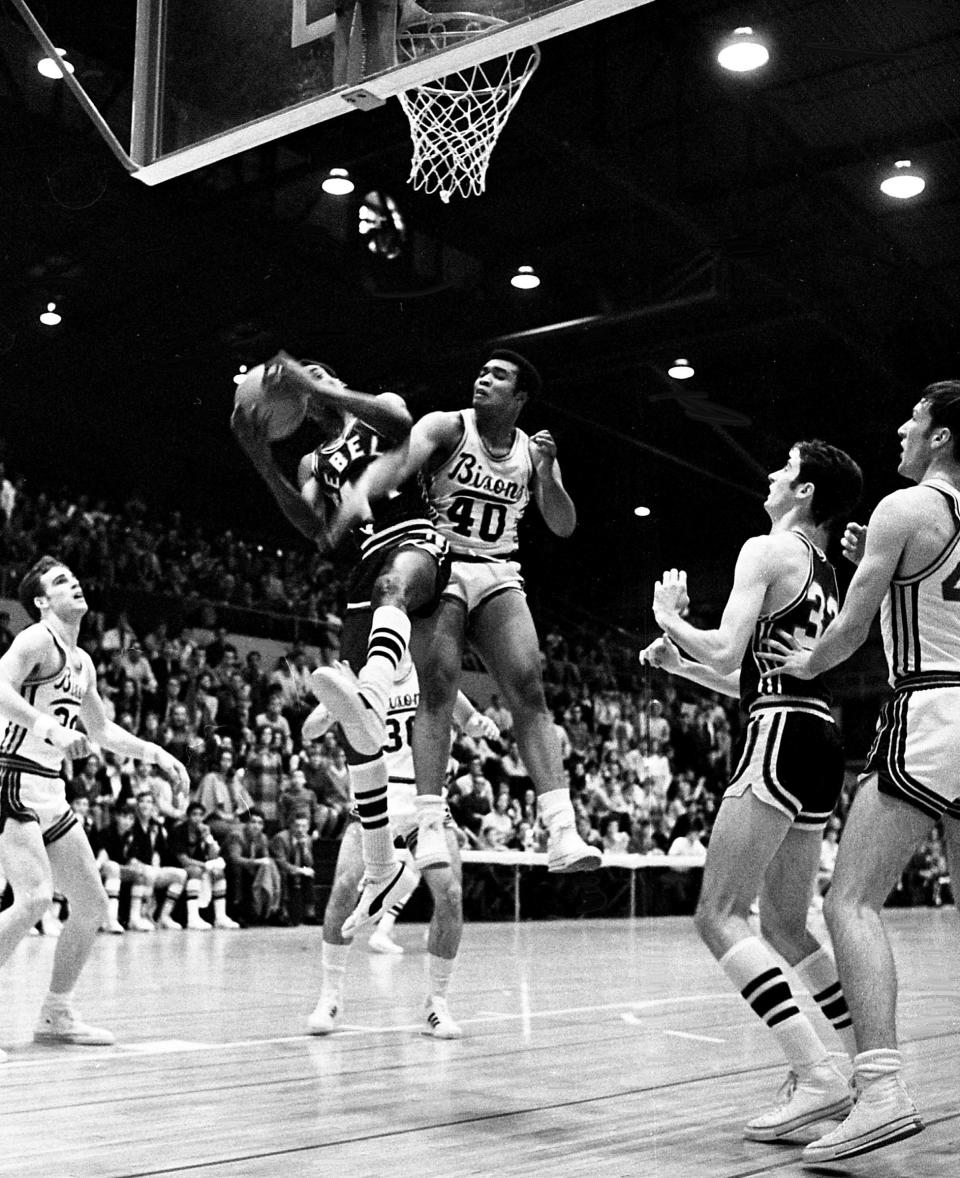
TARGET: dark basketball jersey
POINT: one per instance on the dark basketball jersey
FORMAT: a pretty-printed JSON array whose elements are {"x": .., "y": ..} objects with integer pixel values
[
  {"x": 804, "y": 618},
  {"x": 343, "y": 460}
]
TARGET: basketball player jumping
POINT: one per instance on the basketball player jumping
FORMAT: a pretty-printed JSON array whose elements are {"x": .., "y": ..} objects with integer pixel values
[
  {"x": 481, "y": 472},
  {"x": 47, "y": 691},
  {"x": 789, "y": 772},
  {"x": 403, "y": 566}
]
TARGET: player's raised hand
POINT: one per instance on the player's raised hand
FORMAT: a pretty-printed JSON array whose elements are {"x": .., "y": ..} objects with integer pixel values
[
  {"x": 249, "y": 425},
  {"x": 662, "y": 653},
  {"x": 312, "y": 379},
  {"x": 670, "y": 597},
  {"x": 853, "y": 541},
  {"x": 544, "y": 450}
]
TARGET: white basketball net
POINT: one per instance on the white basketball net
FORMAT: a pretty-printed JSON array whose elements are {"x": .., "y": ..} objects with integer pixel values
[{"x": 455, "y": 121}]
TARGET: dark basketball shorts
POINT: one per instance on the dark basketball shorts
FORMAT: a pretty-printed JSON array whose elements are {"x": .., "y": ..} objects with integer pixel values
[
  {"x": 791, "y": 760},
  {"x": 356, "y": 625}
]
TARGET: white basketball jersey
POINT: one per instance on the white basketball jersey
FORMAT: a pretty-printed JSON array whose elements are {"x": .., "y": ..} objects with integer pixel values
[
  {"x": 60, "y": 696},
  {"x": 477, "y": 500},
  {"x": 920, "y": 616}
]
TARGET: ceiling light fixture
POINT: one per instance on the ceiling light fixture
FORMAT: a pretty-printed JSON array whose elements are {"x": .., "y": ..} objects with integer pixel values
[
  {"x": 525, "y": 278},
  {"x": 337, "y": 182},
  {"x": 54, "y": 69},
  {"x": 50, "y": 318},
  {"x": 241, "y": 373},
  {"x": 642, "y": 512},
  {"x": 680, "y": 369},
  {"x": 903, "y": 182},
  {"x": 743, "y": 51}
]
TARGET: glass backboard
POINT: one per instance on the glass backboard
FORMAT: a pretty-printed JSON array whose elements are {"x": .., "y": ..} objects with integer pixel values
[{"x": 216, "y": 77}]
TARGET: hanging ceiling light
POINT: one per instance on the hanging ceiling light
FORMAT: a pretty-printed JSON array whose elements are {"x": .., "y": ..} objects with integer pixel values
[
  {"x": 54, "y": 69},
  {"x": 50, "y": 318},
  {"x": 903, "y": 182},
  {"x": 743, "y": 51},
  {"x": 337, "y": 182},
  {"x": 525, "y": 278},
  {"x": 680, "y": 369}
]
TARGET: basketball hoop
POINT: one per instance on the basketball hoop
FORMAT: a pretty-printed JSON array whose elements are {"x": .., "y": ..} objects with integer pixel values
[{"x": 455, "y": 120}]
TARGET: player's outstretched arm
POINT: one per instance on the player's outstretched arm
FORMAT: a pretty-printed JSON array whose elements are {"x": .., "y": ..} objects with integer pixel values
[
  {"x": 387, "y": 413},
  {"x": 556, "y": 506},
  {"x": 249, "y": 428},
  {"x": 25, "y": 655},
  {"x": 721, "y": 649},
  {"x": 432, "y": 438},
  {"x": 663, "y": 653},
  {"x": 471, "y": 722},
  {"x": 117, "y": 740},
  {"x": 894, "y": 520}
]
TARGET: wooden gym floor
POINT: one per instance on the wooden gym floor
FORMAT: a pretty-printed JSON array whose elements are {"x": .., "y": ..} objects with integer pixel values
[{"x": 602, "y": 1048}]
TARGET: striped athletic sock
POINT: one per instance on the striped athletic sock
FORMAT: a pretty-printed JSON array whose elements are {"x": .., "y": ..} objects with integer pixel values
[
  {"x": 369, "y": 781},
  {"x": 754, "y": 971},
  {"x": 818, "y": 972},
  {"x": 386, "y": 646}
]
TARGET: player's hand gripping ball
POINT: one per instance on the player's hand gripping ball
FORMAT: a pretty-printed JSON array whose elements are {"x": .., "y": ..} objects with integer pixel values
[{"x": 279, "y": 403}]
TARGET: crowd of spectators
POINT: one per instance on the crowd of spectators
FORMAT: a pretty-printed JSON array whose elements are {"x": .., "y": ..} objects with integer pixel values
[{"x": 647, "y": 759}]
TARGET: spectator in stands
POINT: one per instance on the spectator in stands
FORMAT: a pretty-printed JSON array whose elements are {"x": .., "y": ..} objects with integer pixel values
[
  {"x": 119, "y": 865},
  {"x": 328, "y": 778},
  {"x": 293, "y": 851},
  {"x": 469, "y": 799},
  {"x": 263, "y": 769},
  {"x": 260, "y": 886},
  {"x": 514, "y": 770},
  {"x": 148, "y": 843},
  {"x": 613, "y": 839},
  {"x": 578, "y": 731},
  {"x": 653, "y": 724},
  {"x": 225, "y": 801},
  {"x": 498, "y": 829},
  {"x": 137, "y": 670},
  {"x": 272, "y": 717},
  {"x": 120, "y": 636},
  {"x": 193, "y": 847},
  {"x": 687, "y": 836},
  {"x": 643, "y": 841},
  {"x": 298, "y": 800},
  {"x": 206, "y": 701}
]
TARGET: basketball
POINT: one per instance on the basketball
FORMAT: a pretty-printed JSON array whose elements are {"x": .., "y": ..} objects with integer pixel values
[{"x": 283, "y": 408}]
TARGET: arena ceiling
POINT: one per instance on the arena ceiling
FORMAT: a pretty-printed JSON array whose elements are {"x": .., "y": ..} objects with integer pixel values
[{"x": 670, "y": 209}]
